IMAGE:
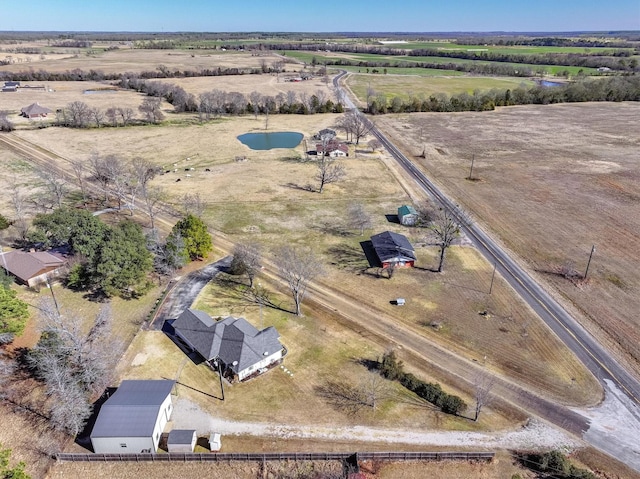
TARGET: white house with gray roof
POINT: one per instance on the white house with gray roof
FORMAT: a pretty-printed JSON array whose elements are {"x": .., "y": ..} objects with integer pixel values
[
  {"x": 133, "y": 418},
  {"x": 241, "y": 349}
]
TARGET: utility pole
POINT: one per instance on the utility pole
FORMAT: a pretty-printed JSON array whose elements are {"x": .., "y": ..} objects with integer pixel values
[
  {"x": 221, "y": 380},
  {"x": 50, "y": 286},
  {"x": 473, "y": 157},
  {"x": 593, "y": 248}
]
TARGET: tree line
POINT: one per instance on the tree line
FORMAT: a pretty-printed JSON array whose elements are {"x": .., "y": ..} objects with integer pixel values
[
  {"x": 619, "y": 88},
  {"x": 78, "y": 74},
  {"x": 217, "y": 102},
  {"x": 615, "y": 61}
]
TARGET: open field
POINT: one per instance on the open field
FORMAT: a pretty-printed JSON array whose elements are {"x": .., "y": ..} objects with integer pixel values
[
  {"x": 503, "y": 466},
  {"x": 137, "y": 60},
  {"x": 321, "y": 57},
  {"x": 57, "y": 95},
  {"x": 553, "y": 181},
  {"x": 264, "y": 198},
  {"x": 406, "y": 86}
]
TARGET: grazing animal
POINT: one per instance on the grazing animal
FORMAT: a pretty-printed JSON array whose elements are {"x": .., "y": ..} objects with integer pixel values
[
  {"x": 177, "y": 180},
  {"x": 207, "y": 169}
]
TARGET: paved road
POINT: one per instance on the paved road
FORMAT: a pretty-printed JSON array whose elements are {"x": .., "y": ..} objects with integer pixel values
[
  {"x": 594, "y": 356},
  {"x": 185, "y": 292},
  {"x": 591, "y": 353}
]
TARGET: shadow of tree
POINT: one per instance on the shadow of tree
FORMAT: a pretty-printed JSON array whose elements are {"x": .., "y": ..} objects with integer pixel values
[
  {"x": 296, "y": 186},
  {"x": 348, "y": 257},
  {"x": 333, "y": 228}
]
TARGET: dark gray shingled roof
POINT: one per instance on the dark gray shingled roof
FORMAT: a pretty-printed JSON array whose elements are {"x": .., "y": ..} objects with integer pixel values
[
  {"x": 230, "y": 339},
  {"x": 390, "y": 245},
  {"x": 181, "y": 436},
  {"x": 133, "y": 409}
]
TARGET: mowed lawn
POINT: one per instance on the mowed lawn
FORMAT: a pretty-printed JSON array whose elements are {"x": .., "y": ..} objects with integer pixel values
[{"x": 553, "y": 182}]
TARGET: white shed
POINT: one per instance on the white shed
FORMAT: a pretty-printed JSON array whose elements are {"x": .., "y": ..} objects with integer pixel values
[
  {"x": 133, "y": 418},
  {"x": 182, "y": 440}
]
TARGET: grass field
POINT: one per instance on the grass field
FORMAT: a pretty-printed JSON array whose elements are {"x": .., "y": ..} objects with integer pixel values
[
  {"x": 406, "y": 86},
  {"x": 321, "y": 57},
  {"x": 553, "y": 182}
]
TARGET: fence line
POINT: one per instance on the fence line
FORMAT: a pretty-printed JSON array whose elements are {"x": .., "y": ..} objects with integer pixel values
[{"x": 285, "y": 456}]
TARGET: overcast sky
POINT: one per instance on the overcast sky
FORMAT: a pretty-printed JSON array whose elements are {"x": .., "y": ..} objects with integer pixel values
[{"x": 320, "y": 15}]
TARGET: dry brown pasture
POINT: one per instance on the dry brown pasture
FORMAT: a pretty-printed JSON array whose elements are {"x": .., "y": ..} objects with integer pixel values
[
  {"x": 57, "y": 95},
  {"x": 264, "y": 198},
  {"x": 551, "y": 181},
  {"x": 502, "y": 466},
  {"x": 138, "y": 60},
  {"x": 268, "y": 84}
]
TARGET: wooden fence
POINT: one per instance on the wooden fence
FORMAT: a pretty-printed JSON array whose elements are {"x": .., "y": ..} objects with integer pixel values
[{"x": 284, "y": 456}]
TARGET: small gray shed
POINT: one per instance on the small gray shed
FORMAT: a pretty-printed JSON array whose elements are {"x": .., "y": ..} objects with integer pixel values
[{"x": 182, "y": 440}]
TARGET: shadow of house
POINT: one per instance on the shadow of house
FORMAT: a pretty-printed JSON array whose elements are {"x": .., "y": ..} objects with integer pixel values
[
  {"x": 370, "y": 253},
  {"x": 393, "y": 219},
  {"x": 241, "y": 350}
]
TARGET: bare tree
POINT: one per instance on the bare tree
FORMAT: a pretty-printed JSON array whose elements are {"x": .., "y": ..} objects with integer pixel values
[
  {"x": 143, "y": 172},
  {"x": 256, "y": 100},
  {"x": 5, "y": 123},
  {"x": 445, "y": 228},
  {"x": 79, "y": 169},
  {"x": 246, "y": 260},
  {"x": 151, "y": 108},
  {"x": 374, "y": 144},
  {"x": 153, "y": 197},
  {"x": 168, "y": 256},
  {"x": 112, "y": 115},
  {"x": 73, "y": 364},
  {"x": 329, "y": 171},
  {"x": 18, "y": 202},
  {"x": 298, "y": 266},
  {"x": 358, "y": 217},
  {"x": 55, "y": 186},
  {"x": 97, "y": 115},
  {"x": 483, "y": 384},
  {"x": 126, "y": 114},
  {"x": 193, "y": 204},
  {"x": 78, "y": 114},
  {"x": 356, "y": 124}
]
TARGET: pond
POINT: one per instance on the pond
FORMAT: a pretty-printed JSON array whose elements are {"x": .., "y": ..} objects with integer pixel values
[
  {"x": 268, "y": 141},
  {"x": 547, "y": 83}
]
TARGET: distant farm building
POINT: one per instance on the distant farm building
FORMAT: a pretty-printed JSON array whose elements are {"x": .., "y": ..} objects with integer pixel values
[
  {"x": 31, "y": 268},
  {"x": 233, "y": 344},
  {"x": 407, "y": 215},
  {"x": 133, "y": 418},
  {"x": 393, "y": 250},
  {"x": 11, "y": 86},
  {"x": 35, "y": 110}
]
